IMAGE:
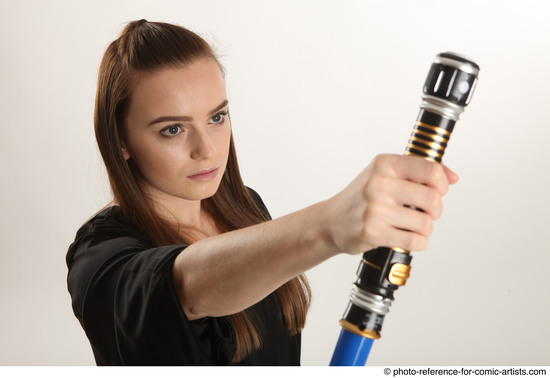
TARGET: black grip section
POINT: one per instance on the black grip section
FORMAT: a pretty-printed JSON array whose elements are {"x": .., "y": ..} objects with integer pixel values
[
  {"x": 373, "y": 277},
  {"x": 374, "y": 271}
]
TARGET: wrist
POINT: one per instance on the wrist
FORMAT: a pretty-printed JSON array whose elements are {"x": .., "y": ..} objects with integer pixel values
[{"x": 323, "y": 216}]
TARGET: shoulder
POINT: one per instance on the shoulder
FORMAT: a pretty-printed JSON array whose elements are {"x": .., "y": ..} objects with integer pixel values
[
  {"x": 259, "y": 202},
  {"x": 109, "y": 232},
  {"x": 109, "y": 221},
  {"x": 104, "y": 248},
  {"x": 255, "y": 196}
]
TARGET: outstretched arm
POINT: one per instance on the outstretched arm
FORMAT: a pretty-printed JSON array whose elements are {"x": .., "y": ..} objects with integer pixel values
[{"x": 228, "y": 273}]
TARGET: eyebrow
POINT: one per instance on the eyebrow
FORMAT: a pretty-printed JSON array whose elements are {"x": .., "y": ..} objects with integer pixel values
[{"x": 186, "y": 118}]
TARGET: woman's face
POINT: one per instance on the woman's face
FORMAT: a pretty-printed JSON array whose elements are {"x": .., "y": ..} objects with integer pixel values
[{"x": 178, "y": 130}]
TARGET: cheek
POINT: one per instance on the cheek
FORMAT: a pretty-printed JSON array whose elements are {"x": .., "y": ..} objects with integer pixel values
[
  {"x": 227, "y": 135},
  {"x": 153, "y": 158},
  {"x": 222, "y": 144}
]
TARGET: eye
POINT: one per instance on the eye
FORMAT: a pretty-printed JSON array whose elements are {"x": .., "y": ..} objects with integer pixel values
[
  {"x": 218, "y": 118},
  {"x": 171, "y": 131}
]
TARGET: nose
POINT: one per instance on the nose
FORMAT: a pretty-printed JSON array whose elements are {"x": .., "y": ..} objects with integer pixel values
[{"x": 202, "y": 146}]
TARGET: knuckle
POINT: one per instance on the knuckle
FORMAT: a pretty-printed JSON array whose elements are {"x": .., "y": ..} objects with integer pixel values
[
  {"x": 433, "y": 202},
  {"x": 368, "y": 190},
  {"x": 383, "y": 162},
  {"x": 438, "y": 178},
  {"x": 409, "y": 242},
  {"x": 426, "y": 225},
  {"x": 381, "y": 158},
  {"x": 368, "y": 237},
  {"x": 376, "y": 185},
  {"x": 367, "y": 234},
  {"x": 370, "y": 228},
  {"x": 418, "y": 243},
  {"x": 435, "y": 172},
  {"x": 413, "y": 241},
  {"x": 422, "y": 244},
  {"x": 437, "y": 212},
  {"x": 369, "y": 218}
]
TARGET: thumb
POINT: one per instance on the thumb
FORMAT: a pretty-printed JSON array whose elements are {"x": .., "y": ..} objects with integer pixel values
[{"x": 452, "y": 177}]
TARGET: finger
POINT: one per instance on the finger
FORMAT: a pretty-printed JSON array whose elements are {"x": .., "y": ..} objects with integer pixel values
[
  {"x": 410, "y": 241},
  {"x": 420, "y": 197},
  {"x": 407, "y": 240},
  {"x": 422, "y": 171},
  {"x": 412, "y": 220},
  {"x": 393, "y": 225},
  {"x": 393, "y": 191}
]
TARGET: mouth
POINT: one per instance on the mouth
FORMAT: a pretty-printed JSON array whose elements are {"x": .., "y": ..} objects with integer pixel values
[{"x": 204, "y": 174}]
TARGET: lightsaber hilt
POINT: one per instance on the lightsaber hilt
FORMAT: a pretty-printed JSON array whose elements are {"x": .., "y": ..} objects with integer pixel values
[{"x": 447, "y": 91}]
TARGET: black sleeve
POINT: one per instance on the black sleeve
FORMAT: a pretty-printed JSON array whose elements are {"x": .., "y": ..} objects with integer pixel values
[
  {"x": 259, "y": 202},
  {"x": 123, "y": 294}
]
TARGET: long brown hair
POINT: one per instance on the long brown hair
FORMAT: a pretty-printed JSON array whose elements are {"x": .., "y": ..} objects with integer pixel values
[{"x": 150, "y": 46}]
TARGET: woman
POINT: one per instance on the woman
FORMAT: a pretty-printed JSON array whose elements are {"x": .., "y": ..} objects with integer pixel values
[{"x": 186, "y": 268}]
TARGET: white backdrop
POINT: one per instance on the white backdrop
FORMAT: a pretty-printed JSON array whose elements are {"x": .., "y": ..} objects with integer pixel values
[{"x": 317, "y": 88}]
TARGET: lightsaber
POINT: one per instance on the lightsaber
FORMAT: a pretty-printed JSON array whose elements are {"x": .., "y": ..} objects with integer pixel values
[{"x": 447, "y": 91}]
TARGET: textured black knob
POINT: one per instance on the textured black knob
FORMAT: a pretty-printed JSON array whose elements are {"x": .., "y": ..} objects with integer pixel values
[{"x": 452, "y": 77}]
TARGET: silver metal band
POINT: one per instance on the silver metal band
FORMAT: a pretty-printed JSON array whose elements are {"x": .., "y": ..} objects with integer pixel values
[
  {"x": 444, "y": 108},
  {"x": 370, "y": 302},
  {"x": 463, "y": 66}
]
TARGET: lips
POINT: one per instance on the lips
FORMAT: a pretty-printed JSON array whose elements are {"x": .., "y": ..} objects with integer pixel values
[{"x": 204, "y": 174}]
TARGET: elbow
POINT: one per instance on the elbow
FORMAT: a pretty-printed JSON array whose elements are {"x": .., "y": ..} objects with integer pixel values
[
  {"x": 190, "y": 308},
  {"x": 188, "y": 305}
]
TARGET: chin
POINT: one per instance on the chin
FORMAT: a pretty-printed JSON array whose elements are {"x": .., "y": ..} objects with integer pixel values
[{"x": 203, "y": 193}]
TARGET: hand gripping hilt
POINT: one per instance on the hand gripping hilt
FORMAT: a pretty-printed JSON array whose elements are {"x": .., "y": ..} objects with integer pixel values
[{"x": 447, "y": 91}]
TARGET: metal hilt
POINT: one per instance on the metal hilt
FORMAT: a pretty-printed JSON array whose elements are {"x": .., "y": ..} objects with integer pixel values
[{"x": 447, "y": 91}]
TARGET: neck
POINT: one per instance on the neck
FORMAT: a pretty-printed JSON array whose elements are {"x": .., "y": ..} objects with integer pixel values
[{"x": 193, "y": 222}]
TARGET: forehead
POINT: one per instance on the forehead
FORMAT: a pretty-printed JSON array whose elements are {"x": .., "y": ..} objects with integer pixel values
[{"x": 192, "y": 88}]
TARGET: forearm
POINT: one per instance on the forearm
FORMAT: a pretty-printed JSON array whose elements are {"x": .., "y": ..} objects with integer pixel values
[{"x": 225, "y": 274}]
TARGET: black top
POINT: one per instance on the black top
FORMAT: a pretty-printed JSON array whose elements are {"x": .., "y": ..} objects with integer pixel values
[{"x": 123, "y": 295}]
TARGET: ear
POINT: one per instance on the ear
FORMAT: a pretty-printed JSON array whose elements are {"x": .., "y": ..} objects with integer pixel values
[{"x": 125, "y": 152}]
